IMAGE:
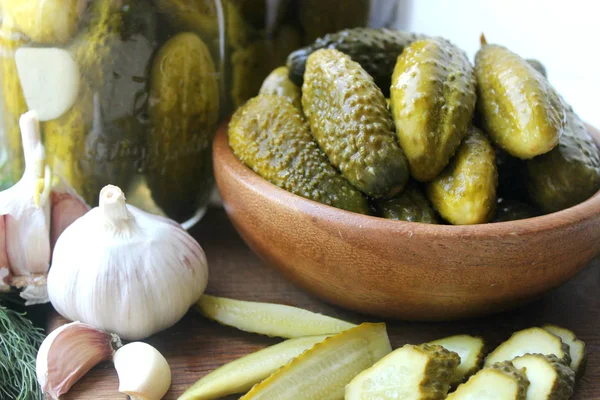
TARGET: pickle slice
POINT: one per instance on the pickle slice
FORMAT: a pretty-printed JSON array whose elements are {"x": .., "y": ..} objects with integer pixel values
[
  {"x": 576, "y": 347},
  {"x": 549, "y": 377},
  {"x": 240, "y": 375},
  {"x": 323, "y": 371},
  {"x": 471, "y": 351},
  {"x": 269, "y": 319},
  {"x": 532, "y": 340},
  {"x": 412, "y": 372},
  {"x": 500, "y": 381}
]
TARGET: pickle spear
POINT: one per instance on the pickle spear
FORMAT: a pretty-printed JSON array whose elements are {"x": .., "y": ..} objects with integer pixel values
[
  {"x": 240, "y": 375},
  {"x": 323, "y": 371},
  {"x": 269, "y": 319}
]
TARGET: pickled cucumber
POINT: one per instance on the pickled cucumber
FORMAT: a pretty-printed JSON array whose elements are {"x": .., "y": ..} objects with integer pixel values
[
  {"x": 419, "y": 372},
  {"x": 501, "y": 381},
  {"x": 520, "y": 110},
  {"x": 13, "y": 105},
  {"x": 538, "y": 66},
  {"x": 319, "y": 17},
  {"x": 280, "y": 84},
  {"x": 531, "y": 340},
  {"x": 269, "y": 319},
  {"x": 240, "y": 375},
  {"x": 465, "y": 192},
  {"x": 576, "y": 347},
  {"x": 349, "y": 118},
  {"x": 199, "y": 16},
  {"x": 65, "y": 137},
  {"x": 45, "y": 21},
  {"x": 433, "y": 99},
  {"x": 376, "y": 50},
  {"x": 512, "y": 210},
  {"x": 323, "y": 371},
  {"x": 471, "y": 351},
  {"x": 269, "y": 135},
  {"x": 411, "y": 205},
  {"x": 570, "y": 173},
  {"x": 549, "y": 377},
  {"x": 184, "y": 111}
]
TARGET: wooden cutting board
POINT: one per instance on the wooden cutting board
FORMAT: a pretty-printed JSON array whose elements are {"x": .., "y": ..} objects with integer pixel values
[{"x": 196, "y": 346}]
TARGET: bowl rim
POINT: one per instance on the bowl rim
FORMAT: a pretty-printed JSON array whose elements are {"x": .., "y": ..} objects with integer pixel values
[{"x": 223, "y": 154}]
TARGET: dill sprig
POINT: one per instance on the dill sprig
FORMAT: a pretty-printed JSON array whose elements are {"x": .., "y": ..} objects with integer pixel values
[{"x": 19, "y": 343}]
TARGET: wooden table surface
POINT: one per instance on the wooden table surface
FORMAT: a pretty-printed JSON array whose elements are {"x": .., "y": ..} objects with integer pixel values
[{"x": 196, "y": 346}]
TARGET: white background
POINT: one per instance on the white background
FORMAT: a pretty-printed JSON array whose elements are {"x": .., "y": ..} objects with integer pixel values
[{"x": 563, "y": 35}]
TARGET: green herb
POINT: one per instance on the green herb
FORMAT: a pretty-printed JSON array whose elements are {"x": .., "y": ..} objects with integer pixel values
[{"x": 19, "y": 342}]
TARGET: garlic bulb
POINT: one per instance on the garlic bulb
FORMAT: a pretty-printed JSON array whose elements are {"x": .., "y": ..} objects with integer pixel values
[
  {"x": 26, "y": 212},
  {"x": 144, "y": 373},
  {"x": 68, "y": 353},
  {"x": 124, "y": 270}
]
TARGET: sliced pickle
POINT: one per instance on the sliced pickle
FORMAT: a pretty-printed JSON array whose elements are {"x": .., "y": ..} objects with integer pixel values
[
  {"x": 240, "y": 375},
  {"x": 323, "y": 371},
  {"x": 269, "y": 319},
  {"x": 500, "y": 381},
  {"x": 549, "y": 377},
  {"x": 576, "y": 347},
  {"x": 471, "y": 351}
]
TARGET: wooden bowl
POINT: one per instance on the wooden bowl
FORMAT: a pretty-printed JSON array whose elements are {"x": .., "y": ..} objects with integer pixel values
[{"x": 401, "y": 269}]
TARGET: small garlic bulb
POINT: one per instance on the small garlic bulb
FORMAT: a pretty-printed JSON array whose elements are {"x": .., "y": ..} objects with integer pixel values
[
  {"x": 143, "y": 372},
  {"x": 125, "y": 271}
]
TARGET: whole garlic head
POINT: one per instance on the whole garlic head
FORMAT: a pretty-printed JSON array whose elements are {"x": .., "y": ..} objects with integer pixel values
[{"x": 126, "y": 271}]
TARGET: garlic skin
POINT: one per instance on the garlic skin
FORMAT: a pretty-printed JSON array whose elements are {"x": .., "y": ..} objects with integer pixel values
[
  {"x": 68, "y": 353},
  {"x": 124, "y": 270},
  {"x": 25, "y": 210},
  {"x": 65, "y": 206},
  {"x": 144, "y": 374},
  {"x": 5, "y": 275}
]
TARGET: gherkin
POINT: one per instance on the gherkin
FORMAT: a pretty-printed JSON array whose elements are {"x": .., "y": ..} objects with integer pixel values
[
  {"x": 350, "y": 120},
  {"x": 280, "y": 84},
  {"x": 433, "y": 99},
  {"x": 411, "y": 205},
  {"x": 376, "y": 50},
  {"x": 519, "y": 109},
  {"x": 269, "y": 135},
  {"x": 570, "y": 173},
  {"x": 183, "y": 121},
  {"x": 465, "y": 192}
]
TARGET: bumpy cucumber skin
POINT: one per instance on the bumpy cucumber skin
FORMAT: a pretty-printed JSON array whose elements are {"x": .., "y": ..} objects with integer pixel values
[
  {"x": 439, "y": 371},
  {"x": 519, "y": 109},
  {"x": 45, "y": 21},
  {"x": 280, "y": 84},
  {"x": 411, "y": 205},
  {"x": 569, "y": 174},
  {"x": 513, "y": 210},
  {"x": 433, "y": 99},
  {"x": 376, "y": 50},
  {"x": 184, "y": 111},
  {"x": 318, "y": 17},
  {"x": 269, "y": 135},
  {"x": 350, "y": 120},
  {"x": 565, "y": 382},
  {"x": 465, "y": 192}
]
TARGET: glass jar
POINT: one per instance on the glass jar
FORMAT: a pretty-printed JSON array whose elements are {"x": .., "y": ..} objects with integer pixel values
[{"x": 130, "y": 92}]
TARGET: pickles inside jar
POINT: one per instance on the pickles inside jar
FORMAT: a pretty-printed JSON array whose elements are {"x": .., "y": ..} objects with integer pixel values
[
  {"x": 184, "y": 111},
  {"x": 465, "y": 192}
]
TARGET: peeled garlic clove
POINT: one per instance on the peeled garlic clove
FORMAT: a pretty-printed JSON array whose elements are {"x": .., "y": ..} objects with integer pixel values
[
  {"x": 49, "y": 78},
  {"x": 26, "y": 208},
  {"x": 65, "y": 207},
  {"x": 68, "y": 353},
  {"x": 143, "y": 372}
]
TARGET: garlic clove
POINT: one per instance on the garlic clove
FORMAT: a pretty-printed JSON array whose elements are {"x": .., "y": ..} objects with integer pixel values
[
  {"x": 5, "y": 275},
  {"x": 65, "y": 207},
  {"x": 144, "y": 374},
  {"x": 25, "y": 207},
  {"x": 68, "y": 353}
]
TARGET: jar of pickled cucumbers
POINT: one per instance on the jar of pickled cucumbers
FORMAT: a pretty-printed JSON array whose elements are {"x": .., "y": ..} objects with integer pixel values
[{"x": 131, "y": 92}]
